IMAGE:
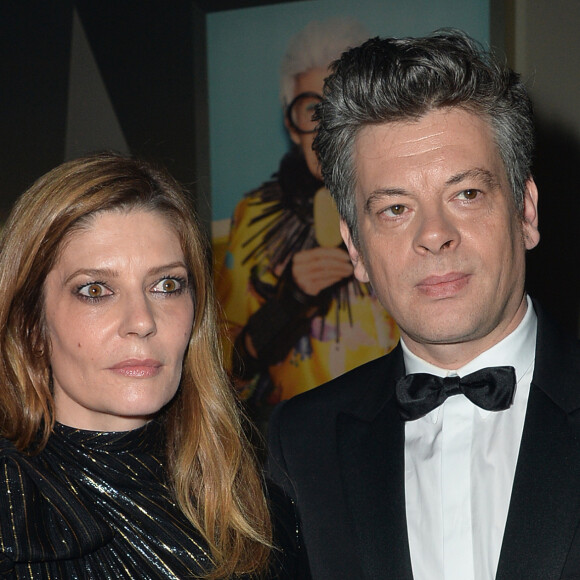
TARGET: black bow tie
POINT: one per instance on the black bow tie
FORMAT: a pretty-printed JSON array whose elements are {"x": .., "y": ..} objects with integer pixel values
[{"x": 491, "y": 389}]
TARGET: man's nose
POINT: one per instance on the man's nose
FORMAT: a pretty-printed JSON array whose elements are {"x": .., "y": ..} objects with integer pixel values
[{"x": 436, "y": 231}]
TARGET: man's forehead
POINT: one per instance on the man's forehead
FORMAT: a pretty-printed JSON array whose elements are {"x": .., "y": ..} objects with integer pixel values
[
  {"x": 436, "y": 121},
  {"x": 447, "y": 141}
]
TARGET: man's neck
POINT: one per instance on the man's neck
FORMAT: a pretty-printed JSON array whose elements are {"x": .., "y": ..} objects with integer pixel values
[{"x": 454, "y": 355}]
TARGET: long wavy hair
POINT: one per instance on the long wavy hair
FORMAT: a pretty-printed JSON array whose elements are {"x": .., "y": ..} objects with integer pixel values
[{"x": 211, "y": 465}]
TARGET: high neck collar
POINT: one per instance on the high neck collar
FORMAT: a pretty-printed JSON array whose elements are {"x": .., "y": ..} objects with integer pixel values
[{"x": 144, "y": 438}]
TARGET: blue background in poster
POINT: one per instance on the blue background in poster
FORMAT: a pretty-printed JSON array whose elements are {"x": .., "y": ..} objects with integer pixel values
[{"x": 245, "y": 46}]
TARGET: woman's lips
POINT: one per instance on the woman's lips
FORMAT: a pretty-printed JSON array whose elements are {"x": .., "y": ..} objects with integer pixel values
[
  {"x": 136, "y": 368},
  {"x": 443, "y": 286}
]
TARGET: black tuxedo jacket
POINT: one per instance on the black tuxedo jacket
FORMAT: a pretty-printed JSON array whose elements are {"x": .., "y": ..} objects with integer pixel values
[{"x": 338, "y": 451}]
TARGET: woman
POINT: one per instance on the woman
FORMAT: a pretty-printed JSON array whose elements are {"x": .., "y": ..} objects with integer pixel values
[{"x": 122, "y": 453}]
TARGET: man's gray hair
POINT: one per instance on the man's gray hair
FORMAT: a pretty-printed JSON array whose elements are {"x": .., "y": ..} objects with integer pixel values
[{"x": 387, "y": 80}]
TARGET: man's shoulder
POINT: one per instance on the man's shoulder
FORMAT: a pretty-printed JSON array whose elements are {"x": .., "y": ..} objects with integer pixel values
[
  {"x": 557, "y": 364},
  {"x": 343, "y": 393},
  {"x": 302, "y": 431}
]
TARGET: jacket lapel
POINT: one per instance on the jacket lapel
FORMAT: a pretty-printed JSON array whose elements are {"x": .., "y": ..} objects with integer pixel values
[
  {"x": 371, "y": 456},
  {"x": 545, "y": 504},
  {"x": 544, "y": 510}
]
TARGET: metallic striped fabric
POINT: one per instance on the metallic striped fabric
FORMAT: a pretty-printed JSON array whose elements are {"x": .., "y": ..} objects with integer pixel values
[{"x": 93, "y": 506}]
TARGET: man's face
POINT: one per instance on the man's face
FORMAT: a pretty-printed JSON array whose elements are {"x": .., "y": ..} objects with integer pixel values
[
  {"x": 311, "y": 81},
  {"x": 440, "y": 239}
]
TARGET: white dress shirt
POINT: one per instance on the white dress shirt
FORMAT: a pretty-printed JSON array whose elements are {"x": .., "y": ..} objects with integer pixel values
[{"x": 460, "y": 462}]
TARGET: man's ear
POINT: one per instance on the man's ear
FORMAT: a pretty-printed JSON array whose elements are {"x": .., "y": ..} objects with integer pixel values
[
  {"x": 291, "y": 131},
  {"x": 530, "y": 215},
  {"x": 356, "y": 258}
]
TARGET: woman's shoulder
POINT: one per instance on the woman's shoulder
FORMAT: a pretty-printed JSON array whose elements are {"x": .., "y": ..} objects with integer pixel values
[
  {"x": 22, "y": 476},
  {"x": 7, "y": 448},
  {"x": 12, "y": 463},
  {"x": 17, "y": 485},
  {"x": 289, "y": 560},
  {"x": 41, "y": 516}
]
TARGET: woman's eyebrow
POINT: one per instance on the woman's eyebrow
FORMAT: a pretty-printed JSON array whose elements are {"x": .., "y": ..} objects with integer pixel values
[
  {"x": 163, "y": 269},
  {"x": 104, "y": 273},
  {"x": 96, "y": 273}
]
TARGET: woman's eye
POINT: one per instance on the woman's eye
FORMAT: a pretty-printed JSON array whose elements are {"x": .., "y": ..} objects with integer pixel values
[
  {"x": 94, "y": 290},
  {"x": 169, "y": 285}
]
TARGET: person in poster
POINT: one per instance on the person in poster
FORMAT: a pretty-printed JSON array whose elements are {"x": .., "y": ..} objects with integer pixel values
[{"x": 296, "y": 316}]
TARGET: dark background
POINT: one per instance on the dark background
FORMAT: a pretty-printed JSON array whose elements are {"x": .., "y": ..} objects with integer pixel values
[{"x": 151, "y": 55}]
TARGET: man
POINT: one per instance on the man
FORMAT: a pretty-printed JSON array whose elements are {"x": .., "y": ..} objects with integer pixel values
[
  {"x": 426, "y": 146},
  {"x": 296, "y": 313}
]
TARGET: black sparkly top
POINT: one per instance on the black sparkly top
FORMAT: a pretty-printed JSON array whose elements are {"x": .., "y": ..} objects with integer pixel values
[{"x": 94, "y": 506}]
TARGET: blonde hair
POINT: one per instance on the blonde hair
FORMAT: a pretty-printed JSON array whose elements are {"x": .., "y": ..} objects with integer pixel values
[{"x": 211, "y": 466}]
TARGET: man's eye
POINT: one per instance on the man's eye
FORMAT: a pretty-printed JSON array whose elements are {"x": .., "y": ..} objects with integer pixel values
[
  {"x": 469, "y": 194},
  {"x": 395, "y": 210}
]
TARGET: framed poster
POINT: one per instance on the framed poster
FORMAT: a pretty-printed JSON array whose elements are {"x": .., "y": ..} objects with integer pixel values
[{"x": 294, "y": 313}]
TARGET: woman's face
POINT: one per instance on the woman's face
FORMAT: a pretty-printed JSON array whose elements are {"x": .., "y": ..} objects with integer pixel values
[{"x": 119, "y": 315}]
